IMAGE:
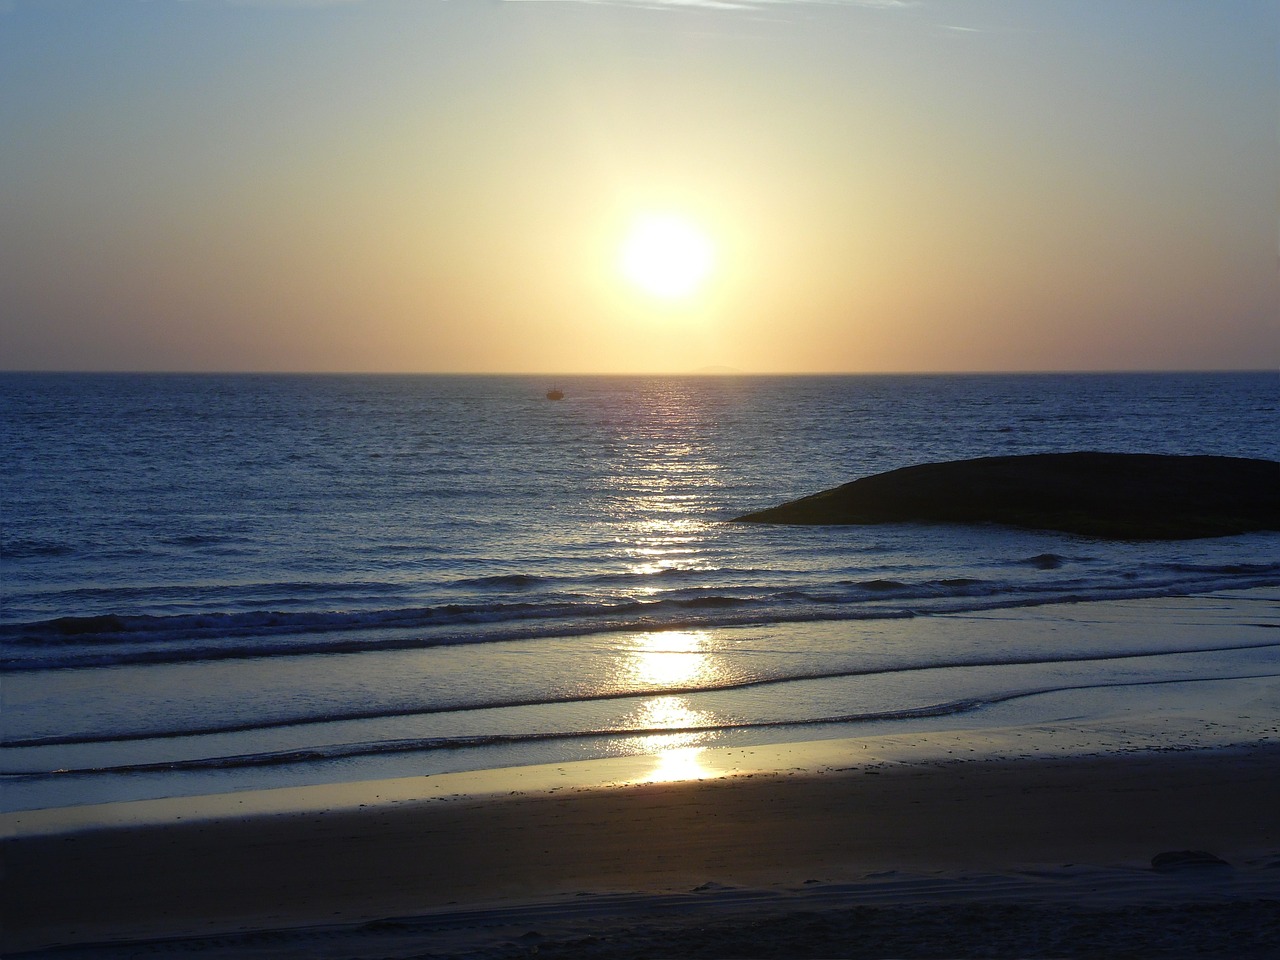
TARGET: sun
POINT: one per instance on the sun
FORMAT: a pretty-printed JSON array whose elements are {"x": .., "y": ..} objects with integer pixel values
[{"x": 667, "y": 256}]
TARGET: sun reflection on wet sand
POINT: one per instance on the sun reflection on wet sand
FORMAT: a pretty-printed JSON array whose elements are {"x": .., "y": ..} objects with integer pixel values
[
  {"x": 675, "y": 754},
  {"x": 680, "y": 764}
]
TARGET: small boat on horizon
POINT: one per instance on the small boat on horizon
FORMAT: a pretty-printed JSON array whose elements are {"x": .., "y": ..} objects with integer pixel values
[{"x": 555, "y": 393}]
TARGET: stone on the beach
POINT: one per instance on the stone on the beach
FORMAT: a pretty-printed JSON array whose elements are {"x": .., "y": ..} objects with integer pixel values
[
  {"x": 1125, "y": 496},
  {"x": 1182, "y": 859}
]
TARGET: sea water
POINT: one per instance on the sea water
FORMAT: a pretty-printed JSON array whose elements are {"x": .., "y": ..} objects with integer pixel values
[{"x": 215, "y": 583}]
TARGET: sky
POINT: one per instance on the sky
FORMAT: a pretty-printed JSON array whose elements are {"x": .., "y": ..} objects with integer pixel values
[{"x": 564, "y": 186}]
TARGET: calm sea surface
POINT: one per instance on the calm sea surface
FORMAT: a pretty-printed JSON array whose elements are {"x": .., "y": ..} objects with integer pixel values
[{"x": 214, "y": 583}]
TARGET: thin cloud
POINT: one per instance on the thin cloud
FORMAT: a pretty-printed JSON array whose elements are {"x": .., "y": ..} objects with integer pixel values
[
  {"x": 650, "y": 4},
  {"x": 288, "y": 3},
  {"x": 740, "y": 4}
]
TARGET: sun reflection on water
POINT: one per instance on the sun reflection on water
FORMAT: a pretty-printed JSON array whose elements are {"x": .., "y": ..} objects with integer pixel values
[
  {"x": 661, "y": 544},
  {"x": 663, "y": 504},
  {"x": 671, "y": 658}
]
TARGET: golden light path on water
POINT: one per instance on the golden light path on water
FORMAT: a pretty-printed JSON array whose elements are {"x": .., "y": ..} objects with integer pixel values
[
  {"x": 663, "y": 538},
  {"x": 661, "y": 510},
  {"x": 667, "y": 548},
  {"x": 673, "y": 658}
]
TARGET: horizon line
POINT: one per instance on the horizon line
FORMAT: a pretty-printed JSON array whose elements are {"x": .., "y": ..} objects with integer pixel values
[{"x": 709, "y": 372}]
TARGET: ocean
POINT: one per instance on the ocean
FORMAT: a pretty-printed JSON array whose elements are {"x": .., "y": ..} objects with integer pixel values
[{"x": 215, "y": 583}]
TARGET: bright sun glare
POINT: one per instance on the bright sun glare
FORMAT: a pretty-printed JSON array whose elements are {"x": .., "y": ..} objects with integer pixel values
[{"x": 666, "y": 256}]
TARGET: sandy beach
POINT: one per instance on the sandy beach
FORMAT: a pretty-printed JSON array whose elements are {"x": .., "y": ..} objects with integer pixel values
[{"x": 904, "y": 828}]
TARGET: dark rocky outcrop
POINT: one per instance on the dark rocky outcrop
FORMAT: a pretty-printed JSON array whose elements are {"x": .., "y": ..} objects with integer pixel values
[
  {"x": 1172, "y": 860},
  {"x": 1113, "y": 495}
]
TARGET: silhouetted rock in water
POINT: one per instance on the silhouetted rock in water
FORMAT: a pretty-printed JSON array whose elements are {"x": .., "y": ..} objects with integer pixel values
[
  {"x": 1184, "y": 859},
  {"x": 1126, "y": 496}
]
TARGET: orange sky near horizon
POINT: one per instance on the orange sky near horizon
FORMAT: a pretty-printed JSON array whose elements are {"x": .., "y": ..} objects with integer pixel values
[{"x": 378, "y": 185}]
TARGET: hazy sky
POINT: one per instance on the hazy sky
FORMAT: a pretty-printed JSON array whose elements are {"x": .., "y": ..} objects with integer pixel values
[{"x": 420, "y": 185}]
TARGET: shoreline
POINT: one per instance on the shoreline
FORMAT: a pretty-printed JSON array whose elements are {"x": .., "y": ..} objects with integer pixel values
[
  {"x": 814, "y": 826},
  {"x": 1152, "y": 718},
  {"x": 1226, "y": 639},
  {"x": 1050, "y": 814}
]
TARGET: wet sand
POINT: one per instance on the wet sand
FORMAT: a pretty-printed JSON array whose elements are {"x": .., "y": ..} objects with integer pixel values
[{"x": 549, "y": 853}]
